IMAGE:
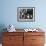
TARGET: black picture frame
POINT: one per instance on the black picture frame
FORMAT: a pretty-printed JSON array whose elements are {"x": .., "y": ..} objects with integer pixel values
[{"x": 26, "y": 14}]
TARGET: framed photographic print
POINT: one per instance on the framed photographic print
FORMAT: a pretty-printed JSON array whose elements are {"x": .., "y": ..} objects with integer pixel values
[{"x": 26, "y": 14}]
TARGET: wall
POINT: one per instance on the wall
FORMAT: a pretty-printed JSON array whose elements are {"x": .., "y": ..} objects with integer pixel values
[{"x": 9, "y": 13}]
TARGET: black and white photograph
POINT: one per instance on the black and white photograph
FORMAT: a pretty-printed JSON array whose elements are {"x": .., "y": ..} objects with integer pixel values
[{"x": 26, "y": 14}]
